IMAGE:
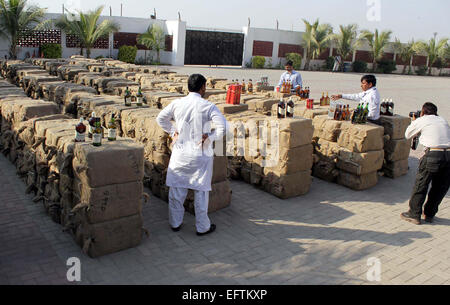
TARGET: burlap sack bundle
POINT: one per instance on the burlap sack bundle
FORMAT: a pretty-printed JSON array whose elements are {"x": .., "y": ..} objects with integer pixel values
[
  {"x": 109, "y": 237},
  {"x": 119, "y": 87},
  {"x": 230, "y": 109},
  {"x": 68, "y": 72},
  {"x": 34, "y": 87},
  {"x": 87, "y": 104},
  {"x": 395, "y": 126},
  {"x": 396, "y": 169},
  {"x": 358, "y": 182},
  {"x": 397, "y": 150},
  {"x": 289, "y": 161},
  {"x": 263, "y": 106},
  {"x": 326, "y": 128},
  {"x": 115, "y": 162},
  {"x": 360, "y": 163},
  {"x": 288, "y": 186},
  {"x": 361, "y": 138}
]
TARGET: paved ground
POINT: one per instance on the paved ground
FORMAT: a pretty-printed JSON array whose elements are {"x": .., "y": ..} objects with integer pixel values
[{"x": 325, "y": 237}]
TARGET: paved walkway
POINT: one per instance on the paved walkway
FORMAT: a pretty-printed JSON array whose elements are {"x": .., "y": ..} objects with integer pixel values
[{"x": 325, "y": 237}]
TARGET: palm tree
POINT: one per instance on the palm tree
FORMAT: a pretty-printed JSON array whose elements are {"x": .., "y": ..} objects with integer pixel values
[
  {"x": 84, "y": 26},
  {"x": 377, "y": 42},
  {"x": 315, "y": 39},
  {"x": 18, "y": 19},
  {"x": 153, "y": 39},
  {"x": 346, "y": 41},
  {"x": 433, "y": 49},
  {"x": 405, "y": 52}
]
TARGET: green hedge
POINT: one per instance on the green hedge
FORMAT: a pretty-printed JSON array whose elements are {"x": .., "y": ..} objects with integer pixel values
[
  {"x": 421, "y": 70},
  {"x": 359, "y": 66},
  {"x": 128, "y": 54},
  {"x": 329, "y": 64},
  {"x": 386, "y": 66},
  {"x": 296, "y": 59},
  {"x": 51, "y": 50},
  {"x": 258, "y": 62}
]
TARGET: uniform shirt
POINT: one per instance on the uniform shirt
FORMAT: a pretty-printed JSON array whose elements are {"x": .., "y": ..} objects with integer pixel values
[
  {"x": 191, "y": 163},
  {"x": 434, "y": 130},
  {"x": 371, "y": 97},
  {"x": 295, "y": 78}
]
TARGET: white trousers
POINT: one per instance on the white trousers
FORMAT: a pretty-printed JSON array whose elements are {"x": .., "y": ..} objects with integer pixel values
[{"x": 177, "y": 197}]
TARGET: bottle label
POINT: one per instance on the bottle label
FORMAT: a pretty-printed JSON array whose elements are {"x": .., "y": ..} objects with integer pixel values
[
  {"x": 280, "y": 111},
  {"x": 139, "y": 100},
  {"x": 97, "y": 138},
  {"x": 112, "y": 133},
  {"x": 79, "y": 137},
  {"x": 290, "y": 110},
  {"x": 90, "y": 129},
  {"x": 128, "y": 100}
]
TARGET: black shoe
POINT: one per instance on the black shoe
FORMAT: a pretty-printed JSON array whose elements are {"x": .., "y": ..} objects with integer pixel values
[
  {"x": 211, "y": 229},
  {"x": 429, "y": 219},
  {"x": 408, "y": 218},
  {"x": 177, "y": 229}
]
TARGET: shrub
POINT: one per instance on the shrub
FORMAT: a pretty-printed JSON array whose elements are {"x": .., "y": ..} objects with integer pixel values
[
  {"x": 51, "y": 50},
  {"x": 386, "y": 66},
  {"x": 421, "y": 70},
  {"x": 359, "y": 66},
  {"x": 296, "y": 58},
  {"x": 258, "y": 62},
  {"x": 329, "y": 63},
  {"x": 127, "y": 54}
]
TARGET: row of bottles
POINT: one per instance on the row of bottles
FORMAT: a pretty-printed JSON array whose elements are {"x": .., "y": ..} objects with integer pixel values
[
  {"x": 129, "y": 98},
  {"x": 244, "y": 88},
  {"x": 304, "y": 93},
  {"x": 286, "y": 110},
  {"x": 95, "y": 131},
  {"x": 361, "y": 114},
  {"x": 342, "y": 113},
  {"x": 325, "y": 100},
  {"x": 387, "y": 107},
  {"x": 286, "y": 87}
]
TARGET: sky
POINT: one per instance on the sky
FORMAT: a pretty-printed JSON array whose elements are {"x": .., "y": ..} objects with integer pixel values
[{"x": 407, "y": 19}]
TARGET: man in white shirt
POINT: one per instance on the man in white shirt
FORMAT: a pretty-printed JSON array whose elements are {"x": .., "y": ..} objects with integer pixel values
[
  {"x": 370, "y": 96},
  {"x": 191, "y": 162},
  {"x": 291, "y": 76},
  {"x": 434, "y": 167}
]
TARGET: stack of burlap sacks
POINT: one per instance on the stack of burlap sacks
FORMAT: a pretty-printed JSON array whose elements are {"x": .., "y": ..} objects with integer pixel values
[
  {"x": 396, "y": 146},
  {"x": 143, "y": 129},
  {"x": 348, "y": 154},
  {"x": 98, "y": 202},
  {"x": 274, "y": 155}
]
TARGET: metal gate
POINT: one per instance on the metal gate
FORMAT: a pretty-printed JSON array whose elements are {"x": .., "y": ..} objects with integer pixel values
[{"x": 213, "y": 48}]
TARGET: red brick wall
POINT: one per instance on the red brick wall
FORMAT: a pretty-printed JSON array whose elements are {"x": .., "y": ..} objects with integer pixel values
[
  {"x": 284, "y": 49},
  {"x": 388, "y": 56},
  {"x": 325, "y": 54},
  {"x": 349, "y": 57},
  {"x": 364, "y": 56},
  {"x": 419, "y": 60},
  {"x": 262, "y": 48}
]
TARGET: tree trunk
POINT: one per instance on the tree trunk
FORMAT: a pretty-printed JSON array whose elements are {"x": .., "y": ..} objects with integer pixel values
[
  {"x": 88, "y": 52},
  {"x": 429, "y": 70},
  {"x": 404, "y": 69},
  {"x": 13, "y": 50}
]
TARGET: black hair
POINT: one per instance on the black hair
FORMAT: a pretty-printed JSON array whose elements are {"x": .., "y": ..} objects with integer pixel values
[
  {"x": 290, "y": 63},
  {"x": 196, "y": 82},
  {"x": 370, "y": 79},
  {"x": 430, "y": 109}
]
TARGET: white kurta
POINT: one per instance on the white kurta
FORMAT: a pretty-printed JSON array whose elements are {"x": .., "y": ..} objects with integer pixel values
[
  {"x": 191, "y": 163},
  {"x": 370, "y": 97}
]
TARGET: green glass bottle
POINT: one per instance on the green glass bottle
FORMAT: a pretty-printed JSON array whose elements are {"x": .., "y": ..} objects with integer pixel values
[
  {"x": 112, "y": 129},
  {"x": 97, "y": 135}
]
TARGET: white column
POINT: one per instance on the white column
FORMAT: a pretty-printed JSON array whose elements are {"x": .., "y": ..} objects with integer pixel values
[{"x": 354, "y": 56}]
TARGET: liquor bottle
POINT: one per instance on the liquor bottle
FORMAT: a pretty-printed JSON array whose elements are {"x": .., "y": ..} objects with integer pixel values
[
  {"x": 391, "y": 108},
  {"x": 383, "y": 107},
  {"x": 281, "y": 109},
  {"x": 356, "y": 114},
  {"x": 112, "y": 129},
  {"x": 365, "y": 114},
  {"x": 97, "y": 134},
  {"x": 415, "y": 143},
  {"x": 92, "y": 121},
  {"x": 322, "y": 99},
  {"x": 290, "y": 109},
  {"x": 347, "y": 117},
  {"x": 127, "y": 97},
  {"x": 328, "y": 100},
  {"x": 139, "y": 98},
  {"x": 80, "y": 132},
  {"x": 243, "y": 86},
  {"x": 250, "y": 87},
  {"x": 336, "y": 113}
]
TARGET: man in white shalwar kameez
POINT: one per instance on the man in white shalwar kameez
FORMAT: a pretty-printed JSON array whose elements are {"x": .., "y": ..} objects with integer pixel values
[{"x": 191, "y": 163}]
